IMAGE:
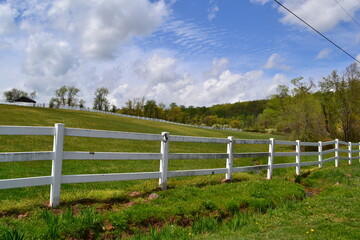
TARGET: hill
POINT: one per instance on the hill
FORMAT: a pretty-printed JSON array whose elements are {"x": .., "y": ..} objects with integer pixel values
[{"x": 193, "y": 207}]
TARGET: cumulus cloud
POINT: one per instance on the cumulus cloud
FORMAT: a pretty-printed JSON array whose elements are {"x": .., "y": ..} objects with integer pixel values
[
  {"x": 46, "y": 55},
  {"x": 218, "y": 65},
  {"x": 98, "y": 28},
  {"x": 323, "y": 53},
  {"x": 157, "y": 69},
  {"x": 7, "y": 19},
  {"x": 278, "y": 79},
  {"x": 166, "y": 79},
  {"x": 275, "y": 61},
  {"x": 331, "y": 13},
  {"x": 112, "y": 22}
]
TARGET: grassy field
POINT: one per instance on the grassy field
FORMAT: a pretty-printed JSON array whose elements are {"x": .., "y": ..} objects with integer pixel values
[{"x": 249, "y": 207}]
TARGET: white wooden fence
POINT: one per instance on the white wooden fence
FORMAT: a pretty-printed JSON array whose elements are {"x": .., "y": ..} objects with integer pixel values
[{"x": 58, "y": 155}]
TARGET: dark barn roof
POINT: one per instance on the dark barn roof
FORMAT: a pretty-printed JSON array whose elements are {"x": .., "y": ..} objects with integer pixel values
[{"x": 24, "y": 99}]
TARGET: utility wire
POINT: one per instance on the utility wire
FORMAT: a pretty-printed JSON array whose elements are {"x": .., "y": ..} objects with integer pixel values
[
  {"x": 317, "y": 31},
  {"x": 357, "y": 23}
]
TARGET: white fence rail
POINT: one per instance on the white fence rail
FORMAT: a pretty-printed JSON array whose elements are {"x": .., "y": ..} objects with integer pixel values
[{"x": 58, "y": 155}]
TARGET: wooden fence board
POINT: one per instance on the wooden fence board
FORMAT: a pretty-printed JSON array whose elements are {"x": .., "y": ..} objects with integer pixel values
[
  {"x": 25, "y": 156},
  {"x": 25, "y": 182}
]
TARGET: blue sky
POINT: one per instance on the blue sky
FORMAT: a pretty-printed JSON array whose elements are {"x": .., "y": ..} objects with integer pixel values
[{"x": 197, "y": 53}]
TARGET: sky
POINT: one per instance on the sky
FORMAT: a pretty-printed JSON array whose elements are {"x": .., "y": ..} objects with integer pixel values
[{"x": 197, "y": 53}]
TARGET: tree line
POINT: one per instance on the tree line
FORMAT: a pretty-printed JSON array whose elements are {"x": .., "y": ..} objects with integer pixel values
[
  {"x": 303, "y": 111},
  {"x": 308, "y": 113}
]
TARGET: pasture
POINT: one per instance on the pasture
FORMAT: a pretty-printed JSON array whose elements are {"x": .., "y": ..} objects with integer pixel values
[{"x": 192, "y": 207}]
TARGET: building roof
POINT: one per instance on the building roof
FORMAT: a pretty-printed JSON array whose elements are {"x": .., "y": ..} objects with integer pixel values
[{"x": 24, "y": 99}]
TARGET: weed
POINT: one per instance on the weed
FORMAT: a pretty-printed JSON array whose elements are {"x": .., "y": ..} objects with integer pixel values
[
  {"x": 205, "y": 225},
  {"x": 12, "y": 234},
  {"x": 53, "y": 225},
  {"x": 237, "y": 221},
  {"x": 209, "y": 205}
]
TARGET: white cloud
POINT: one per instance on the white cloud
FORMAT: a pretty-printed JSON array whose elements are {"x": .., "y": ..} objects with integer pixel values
[
  {"x": 160, "y": 80},
  {"x": 112, "y": 22},
  {"x": 323, "y": 53},
  {"x": 192, "y": 37},
  {"x": 323, "y": 15},
  {"x": 46, "y": 55},
  {"x": 278, "y": 79},
  {"x": 4, "y": 44},
  {"x": 7, "y": 19},
  {"x": 358, "y": 58},
  {"x": 212, "y": 10},
  {"x": 260, "y": 1},
  {"x": 157, "y": 69},
  {"x": 275, "y": 61},
  {"x": 218, "y": 65},
  {"x": 97, "y": 28}
]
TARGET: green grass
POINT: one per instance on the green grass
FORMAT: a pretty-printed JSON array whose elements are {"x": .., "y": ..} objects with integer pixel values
[
  {"x": 249, "y": 207},
  {"x": 26, "y": 116}
]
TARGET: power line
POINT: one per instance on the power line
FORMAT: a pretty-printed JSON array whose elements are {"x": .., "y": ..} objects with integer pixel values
[
  {"x": 317, "y": 31},
  {"x": 348, "y": 13}
]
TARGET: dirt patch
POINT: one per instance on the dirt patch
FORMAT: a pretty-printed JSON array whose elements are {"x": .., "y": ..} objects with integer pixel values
[{"x": 312, "y": 191}]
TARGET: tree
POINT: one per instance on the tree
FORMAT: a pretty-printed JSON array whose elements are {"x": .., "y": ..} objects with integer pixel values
[
  {"x": 150, "y": 109},
  {"x": 139, "y": 106},
  {"x": 71, "y": 96},
  {"x": 100, "y": 100},
  {"x": 347, "y": 101},
  {"x": 65, "y": 96},
  {"x": 297, "y": 113},
  {"x": 54, "y": 103},
  {"x": 327, "y": 100},
  {"x": 61, "y": 95},
  {"x": 82, "y": 103},
  {"x": 14, "y": 94}
]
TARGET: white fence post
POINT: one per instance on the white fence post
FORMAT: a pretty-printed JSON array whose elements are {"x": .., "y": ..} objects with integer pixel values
[
  {"x": 230, "y": 158},
  {"x": 164, "y": 160},
  {"x": 320, "y": 158},
  {"x": 350, "y": 153},
  {"x": 57, "y": 165},
  {"x": 336, "y": 152},
  {"x": 298, "y": 170},
  {"x": 271, "y": 158}
]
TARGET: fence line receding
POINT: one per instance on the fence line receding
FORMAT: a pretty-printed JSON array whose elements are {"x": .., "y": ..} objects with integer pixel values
[{"x": 58, "y": 155}]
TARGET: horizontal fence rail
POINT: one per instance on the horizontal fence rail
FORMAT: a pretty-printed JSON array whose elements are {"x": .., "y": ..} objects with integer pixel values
[{"x": 58, "y": 155}]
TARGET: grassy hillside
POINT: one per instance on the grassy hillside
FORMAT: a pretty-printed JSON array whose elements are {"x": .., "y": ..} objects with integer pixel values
[
  {"x": 203, "y": 207},
  {"x": 26, "y": 116}
]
